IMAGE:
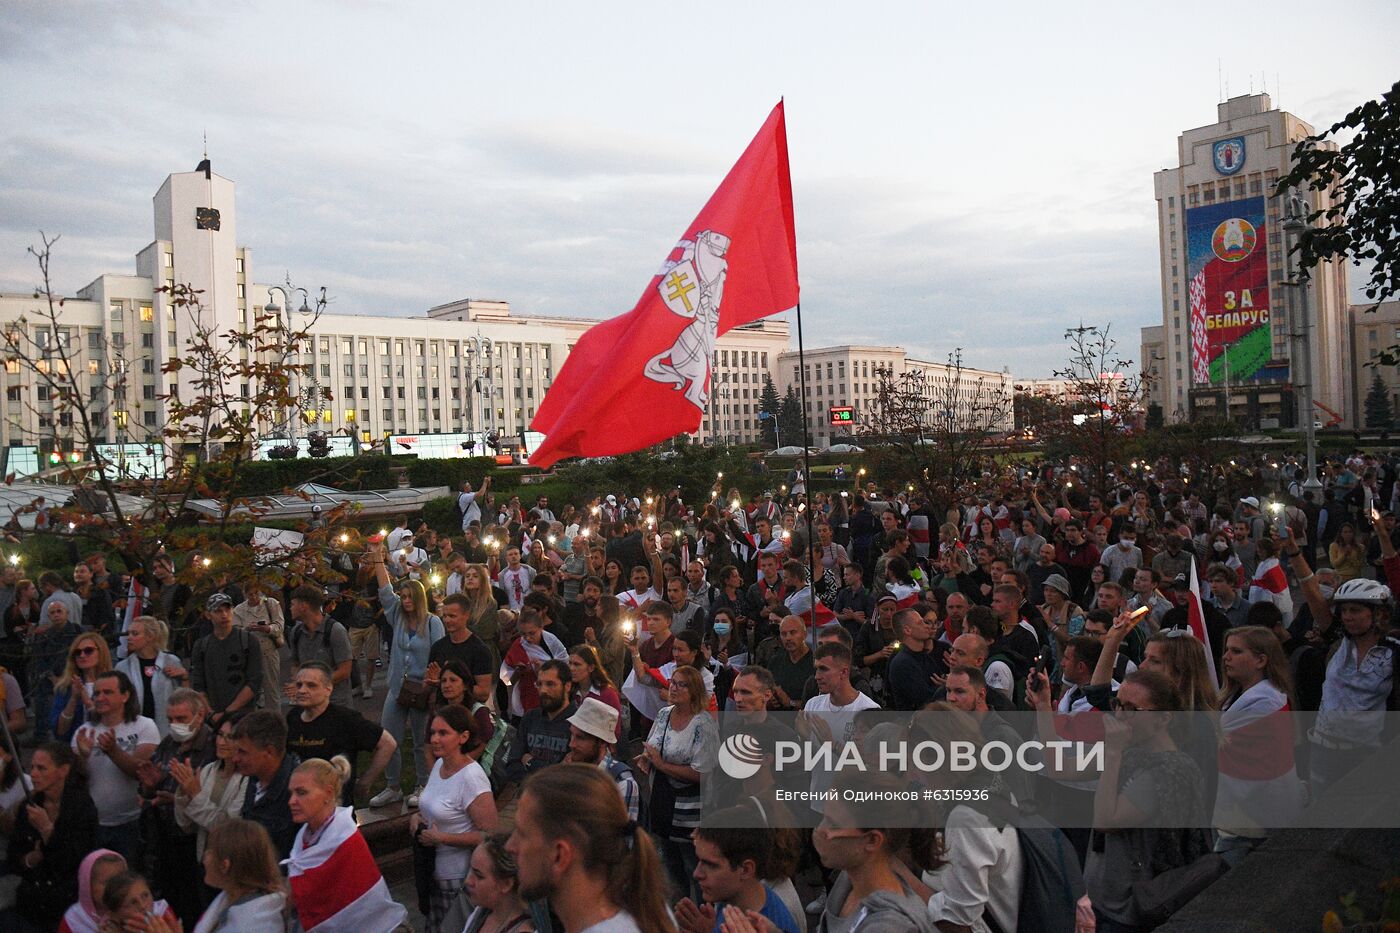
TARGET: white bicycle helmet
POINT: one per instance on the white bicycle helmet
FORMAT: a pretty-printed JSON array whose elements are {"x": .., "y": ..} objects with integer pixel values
[{"x": 1367, "y": 592}]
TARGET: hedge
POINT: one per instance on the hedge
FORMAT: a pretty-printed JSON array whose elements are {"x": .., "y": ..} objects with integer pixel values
[{"x": 271, "y": 477}]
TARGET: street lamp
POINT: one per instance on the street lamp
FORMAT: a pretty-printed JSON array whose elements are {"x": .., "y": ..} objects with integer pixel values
[
  {"x": 481, "y": 348},
  {"x": 273, "y": 308},
  {"x": 1295, "y": 222}
]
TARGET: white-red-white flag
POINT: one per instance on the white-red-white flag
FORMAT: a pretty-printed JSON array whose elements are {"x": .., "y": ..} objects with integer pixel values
[{"x": 1196, "y": 618}]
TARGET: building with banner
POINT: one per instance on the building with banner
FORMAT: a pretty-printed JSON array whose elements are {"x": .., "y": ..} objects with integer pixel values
[{"x": 1230, "y": 314}]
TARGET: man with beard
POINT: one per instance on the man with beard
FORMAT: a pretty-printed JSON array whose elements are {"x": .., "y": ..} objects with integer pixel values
[
  {"x": 592, "y": 732},
  {"x": 543, "y": 736},
  {"x": 586, "y": 613}
]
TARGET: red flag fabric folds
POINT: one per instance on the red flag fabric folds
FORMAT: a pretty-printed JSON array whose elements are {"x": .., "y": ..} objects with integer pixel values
[{"x": 641, "y": 378}]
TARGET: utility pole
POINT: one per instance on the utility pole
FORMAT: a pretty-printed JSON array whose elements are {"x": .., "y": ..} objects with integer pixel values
[{"x": 1295, "y": 222}]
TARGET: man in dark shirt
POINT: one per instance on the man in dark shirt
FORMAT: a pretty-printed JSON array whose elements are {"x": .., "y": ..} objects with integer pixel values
[
  {"x": 1040, "y": 571},
  {"x": 912, "y": 669},
  {"x": 543, "y": 736},
  {"x": 792, "y": 665},
  {"x": 169, "y": 847},
  {"x": 260, "y": 753},
  {"x": 227, "y": 663},
  {"x": 864, "y": 528},
  {"x": 460, "y": 644},
  {"x": 627, "y": 548},
  {"x": 1077, "y": 556},
  {"x": 765, "y": 597},
  {"x": 318, "y": 728},
  {"x": 589, "y": 611},
  {"x": 1017, "y": 642},
  {"x": 854, "y": 605}
]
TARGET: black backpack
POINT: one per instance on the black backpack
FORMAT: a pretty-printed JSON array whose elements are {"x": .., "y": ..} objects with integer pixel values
[{"x": 1052, "y": 881}]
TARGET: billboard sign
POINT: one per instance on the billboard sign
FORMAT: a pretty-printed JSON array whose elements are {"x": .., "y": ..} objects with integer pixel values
[
  {"x": 1227, "y": 260},
  {"x": 842, "y": 417}
]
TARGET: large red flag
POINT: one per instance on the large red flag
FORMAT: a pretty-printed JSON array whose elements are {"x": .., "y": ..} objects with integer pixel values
[{"x": 641, "y": 378}]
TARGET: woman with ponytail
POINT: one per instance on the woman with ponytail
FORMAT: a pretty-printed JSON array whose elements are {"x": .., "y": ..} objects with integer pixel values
[{"x": 574, "y": 845}]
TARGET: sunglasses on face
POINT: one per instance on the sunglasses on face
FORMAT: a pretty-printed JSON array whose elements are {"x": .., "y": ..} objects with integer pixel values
[{"x": 85, "y": 650}]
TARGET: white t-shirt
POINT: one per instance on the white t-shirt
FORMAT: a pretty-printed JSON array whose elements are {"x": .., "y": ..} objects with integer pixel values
[
  {"x": 414, "y": 557},
  {"x": 443, "y": 806},
  {"x": 471, "y": 512},
  {"x": 115, "y": 794},
  {"x": 984, "y": 872},
  {"x": 516, "y": 583},
  {"x": 395, "y": 539},
  {"x": 636, "y": 599},
  {"x": 842, "y": 722},
  {"x": 620, "y": 922}
]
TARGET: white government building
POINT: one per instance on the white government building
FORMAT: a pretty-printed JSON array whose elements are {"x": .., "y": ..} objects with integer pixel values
[{"x": 432, "y": 381}]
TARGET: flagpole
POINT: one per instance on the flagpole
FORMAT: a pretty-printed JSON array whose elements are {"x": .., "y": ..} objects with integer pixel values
[{"x": 807, "y": 480}]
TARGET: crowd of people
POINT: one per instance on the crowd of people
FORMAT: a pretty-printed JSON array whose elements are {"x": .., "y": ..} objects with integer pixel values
[{"x": 554, "y": 687}]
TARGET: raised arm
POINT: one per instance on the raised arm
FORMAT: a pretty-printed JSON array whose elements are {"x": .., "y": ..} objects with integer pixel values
[{"x": 1307, "y": 582}]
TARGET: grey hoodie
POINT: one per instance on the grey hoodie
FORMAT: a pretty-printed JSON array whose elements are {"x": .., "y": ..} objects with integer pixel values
[{"x": 881, "y": 912}]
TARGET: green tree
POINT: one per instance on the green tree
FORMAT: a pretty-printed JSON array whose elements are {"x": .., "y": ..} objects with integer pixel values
[
  {"x": 789, "y": 420},
  {"x": 1378, "y": 413},
  {"x": 769, "y": 403},
  {"x": 1359, "y": 210}
]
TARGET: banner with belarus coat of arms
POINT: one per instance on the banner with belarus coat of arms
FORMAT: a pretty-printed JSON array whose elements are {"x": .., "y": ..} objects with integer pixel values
[{"x": 1227, "y": 256}]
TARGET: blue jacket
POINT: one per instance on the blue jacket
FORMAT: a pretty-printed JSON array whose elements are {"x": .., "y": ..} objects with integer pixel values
[{"x": 410, "y": 654}]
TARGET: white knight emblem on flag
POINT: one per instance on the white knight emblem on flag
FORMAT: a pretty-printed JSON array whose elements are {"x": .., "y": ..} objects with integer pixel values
[{"x": 692, "y": 287}]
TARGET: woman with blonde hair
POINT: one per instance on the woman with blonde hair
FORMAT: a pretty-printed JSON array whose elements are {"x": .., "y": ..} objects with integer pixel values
[
  {"x": 153, "y": 671},
  {"x": 88, "y": 658},
  {"x": 682, "y": 747},
  {"x": 476, "y": 586},
  {"x": 414, "y": 631},
  {"x": 1179, "y": 657},
  {"x": 333, "y": 875},
  {"x": 1258, "y": 785},
  {"x": 241, "y": 862}
]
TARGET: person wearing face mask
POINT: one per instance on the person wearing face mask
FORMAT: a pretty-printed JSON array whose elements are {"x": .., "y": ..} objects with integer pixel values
[
  {"x": 176, "y": 862},
  {"x": 1125, "y": 555}
]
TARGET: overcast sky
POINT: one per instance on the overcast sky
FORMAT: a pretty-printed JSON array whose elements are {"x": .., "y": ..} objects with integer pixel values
[{"x": 972, "y": 175}]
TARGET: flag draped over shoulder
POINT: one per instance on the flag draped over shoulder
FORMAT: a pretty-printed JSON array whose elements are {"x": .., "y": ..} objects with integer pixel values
[
  {"x": 336, "y": 883},
  {"x": 641, "y": 378}
]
